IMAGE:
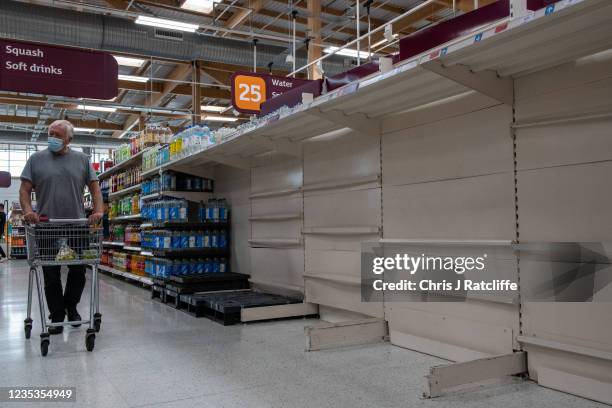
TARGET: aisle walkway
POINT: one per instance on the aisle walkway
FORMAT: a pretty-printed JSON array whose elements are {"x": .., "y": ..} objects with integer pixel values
[{"x": 150, "y": 355}]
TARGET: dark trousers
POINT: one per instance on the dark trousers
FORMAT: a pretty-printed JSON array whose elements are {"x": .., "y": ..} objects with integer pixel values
[{"x": 57, "y": 301}]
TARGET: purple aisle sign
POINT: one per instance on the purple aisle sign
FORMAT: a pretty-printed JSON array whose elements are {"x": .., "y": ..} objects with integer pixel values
[{"x": 52, "y": 70}]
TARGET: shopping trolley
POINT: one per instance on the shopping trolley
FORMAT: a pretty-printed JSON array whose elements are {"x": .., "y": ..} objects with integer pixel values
[{"x": 63, "y": 242}]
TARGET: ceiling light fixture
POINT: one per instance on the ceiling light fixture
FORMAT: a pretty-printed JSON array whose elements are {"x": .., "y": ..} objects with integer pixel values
[
  {"x": 347, "y": 52},
  {"x": 84, "y": 130},
  {"x": 168, "y": 24},
  {"x": 218, "y": 118},
  {"x": 381, "y": 42},
  {"x": 97, "y": 108},
  {"x": 129, "y": 61},
  {"x": 200, "y": 6},
  {"x": 132, "y": 78},
  {"x": 213, "y": 108}
]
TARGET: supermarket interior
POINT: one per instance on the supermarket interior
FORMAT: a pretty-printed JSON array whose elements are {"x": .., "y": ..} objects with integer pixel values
[{"x": 306, "y": 203}]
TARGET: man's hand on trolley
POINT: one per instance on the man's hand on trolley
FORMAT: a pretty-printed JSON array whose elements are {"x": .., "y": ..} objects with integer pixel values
[
  {"x": 31, "y": 217},
  {"x": 96, "y": 217}
]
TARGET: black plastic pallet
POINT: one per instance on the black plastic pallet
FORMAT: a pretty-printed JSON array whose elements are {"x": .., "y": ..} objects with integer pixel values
[
  {"x": 209, "y": 282},
  {"x": 171, "y": 298},
  {"x": 226, "y": 307}
]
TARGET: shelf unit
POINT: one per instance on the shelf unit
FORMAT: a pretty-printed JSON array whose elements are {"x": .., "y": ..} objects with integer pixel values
[
  {"x": 187, "y": 195},
  {"x": 132, "y": 161},
  {"x": 188, "y": 252},
  {"x": 578, "y": 28},
  {"x": 121, "y": 218},
  {"x": 133, "y": 277},
  {"x": 186, "y": 225},
  {"x": 276, "y": 217},
  {"x": 125, "y": 191}
]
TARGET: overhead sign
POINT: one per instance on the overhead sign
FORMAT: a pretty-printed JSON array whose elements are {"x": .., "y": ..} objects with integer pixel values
[
  {"x": 250, "y": 90},
  {"x": 52, "y": 70}
]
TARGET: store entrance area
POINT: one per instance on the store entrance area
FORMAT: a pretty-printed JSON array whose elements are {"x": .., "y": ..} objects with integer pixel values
[{"x": 151, "y": 355}]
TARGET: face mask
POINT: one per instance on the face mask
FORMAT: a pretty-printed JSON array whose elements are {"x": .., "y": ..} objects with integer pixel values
[{"x": 55, "y": 144}]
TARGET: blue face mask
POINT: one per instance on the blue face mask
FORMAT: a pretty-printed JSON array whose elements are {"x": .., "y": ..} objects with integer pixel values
[{"x": 55, "y": 144}]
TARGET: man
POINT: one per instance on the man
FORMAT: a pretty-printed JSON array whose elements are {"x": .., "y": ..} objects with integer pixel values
[
  {"x": 2, "y": 225},
  {"x": 59, "y": 175}
]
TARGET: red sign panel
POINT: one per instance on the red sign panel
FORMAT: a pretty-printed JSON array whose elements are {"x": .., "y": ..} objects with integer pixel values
[
  {"x": 250, "y": 90},
  {"x": 52, "y": 70}
]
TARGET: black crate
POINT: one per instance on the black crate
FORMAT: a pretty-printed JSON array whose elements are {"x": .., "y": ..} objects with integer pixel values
[
  {"x": 171, "y": 297},
  {"x": 225, "y": 307},
  {"x": 207, "y": 282}
]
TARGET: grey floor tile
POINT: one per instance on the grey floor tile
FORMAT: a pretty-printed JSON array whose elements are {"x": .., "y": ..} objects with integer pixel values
[{"x": 151, "y": 355}]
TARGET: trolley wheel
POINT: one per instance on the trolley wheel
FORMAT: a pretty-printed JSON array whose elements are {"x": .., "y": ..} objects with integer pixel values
[
  {"x": 97, "y": 321},
  {"x": 27, "y": 327},
  {"x": 90, "y": 339},
  {"x": 44, "y": 346}
]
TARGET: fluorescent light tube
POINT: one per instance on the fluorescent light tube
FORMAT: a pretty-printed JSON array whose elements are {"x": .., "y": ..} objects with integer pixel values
[
  {"x": 129, "y": 61},
  {"x": 347, "y": 52},
  {"x": 213, "y": 108},
  {"x": 218, "y": 118},
  {"x": 97, "y": 108},
  {"x": 381, "y": 42},
  {"x": 201, "y": 6},
  {"x": 168, "y": 24},
  {"x": 132, "y": 78},
  {"x": 83, "y": 130}
]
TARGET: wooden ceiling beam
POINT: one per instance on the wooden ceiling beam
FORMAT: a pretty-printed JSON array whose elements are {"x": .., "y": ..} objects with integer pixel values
[{"x": 239, "y": 16}]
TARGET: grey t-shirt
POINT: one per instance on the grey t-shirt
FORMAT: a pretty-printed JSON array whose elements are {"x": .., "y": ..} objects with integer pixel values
[{"x": 59, "y": 182}]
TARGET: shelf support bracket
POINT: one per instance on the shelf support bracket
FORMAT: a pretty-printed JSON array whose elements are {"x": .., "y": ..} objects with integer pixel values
[
  {"x": 485, "y": 82},
  {"x": 280, "y": 145},
  {"x": 444, "y": 377},
  {"x": 358, "y": 122},
  {"x": 236, "y": 162}
]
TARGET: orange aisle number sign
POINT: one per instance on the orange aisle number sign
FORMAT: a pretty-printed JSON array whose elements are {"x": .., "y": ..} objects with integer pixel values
[{"x": 249, "y": 92}]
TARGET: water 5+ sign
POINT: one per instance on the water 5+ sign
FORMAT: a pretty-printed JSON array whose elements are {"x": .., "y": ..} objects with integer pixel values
[
  {"x": 250, "y": 89},
  {"x": 52, "y": 70}
]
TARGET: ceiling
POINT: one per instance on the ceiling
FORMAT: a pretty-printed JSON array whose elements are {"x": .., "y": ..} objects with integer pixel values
[{"x": 222, "y": 45}]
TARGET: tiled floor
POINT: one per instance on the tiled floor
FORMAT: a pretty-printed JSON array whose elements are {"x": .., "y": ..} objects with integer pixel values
[{"x": 150, "y": 355}]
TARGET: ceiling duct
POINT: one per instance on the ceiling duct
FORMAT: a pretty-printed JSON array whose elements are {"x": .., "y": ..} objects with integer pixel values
[
  {"x": 50, "y": 25},
  {"x": 168, "y": 34}
]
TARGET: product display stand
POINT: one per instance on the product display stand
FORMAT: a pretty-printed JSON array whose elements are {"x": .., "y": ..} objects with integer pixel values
[{"x": 16, "y": 239}]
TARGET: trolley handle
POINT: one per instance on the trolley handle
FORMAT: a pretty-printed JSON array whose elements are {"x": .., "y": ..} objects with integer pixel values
[
  {"x": 44, "y": 218},
  {"x": 65, "y": 220}
]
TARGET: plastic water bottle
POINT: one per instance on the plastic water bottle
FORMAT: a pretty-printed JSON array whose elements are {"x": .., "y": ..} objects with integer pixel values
[
  {"x": 184, "y": 239},
  {"x": 166, "y": 211},
  {"x": 176, "y": 240},
  {"x": 223, "y": 265},
  {"x": 215, "y": 217},
  {"x": 192, "y": 239},
  {"x": 222, "y": 239},
  {"x": 215, "y": 239},
  {"x": 199, "y": 239},
  {"x": 207, "y": 243},
  {"x": 222, "y": 205},
  {"x": 207, "y": 265},
  {"x": 183, "y": 211}
]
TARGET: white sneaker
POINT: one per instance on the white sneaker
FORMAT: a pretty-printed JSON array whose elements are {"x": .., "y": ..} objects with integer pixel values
[{"x": 3, "y": 260}]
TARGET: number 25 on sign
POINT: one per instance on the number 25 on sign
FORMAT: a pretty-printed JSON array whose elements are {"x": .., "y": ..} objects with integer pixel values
[{"x": 249, "y": 92}]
